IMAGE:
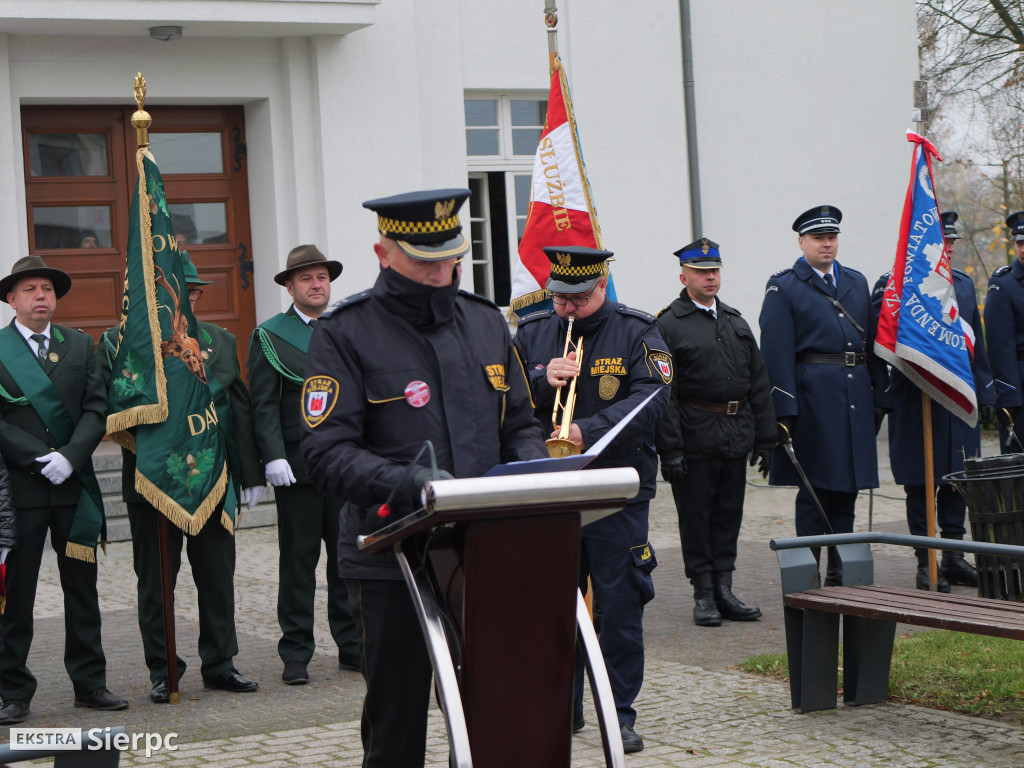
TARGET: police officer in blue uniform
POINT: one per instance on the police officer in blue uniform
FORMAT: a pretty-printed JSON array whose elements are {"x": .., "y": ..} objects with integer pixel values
[
  {"x": 624, "y": 361},
  {"x": 409, "y": 360},
  {"x": 817, "y": 333},
  {"x": 1004, "y": 328},
  {"x": 952, "y": 439}
]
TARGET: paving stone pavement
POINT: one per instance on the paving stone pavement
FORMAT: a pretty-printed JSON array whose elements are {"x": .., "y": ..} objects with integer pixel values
[{"x": 695, "y": 708}]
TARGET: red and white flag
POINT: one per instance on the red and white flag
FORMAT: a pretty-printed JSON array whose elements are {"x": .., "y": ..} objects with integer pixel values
[{"x": 561, "y": 209}]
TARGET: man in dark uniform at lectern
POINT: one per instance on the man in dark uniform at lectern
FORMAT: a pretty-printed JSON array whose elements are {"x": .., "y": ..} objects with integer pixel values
[
  {"x": 952, "y": 439},
  {"x": 409, "y": 360},
  {"x": 817, "y": 338},
  {"x": 1004, "y": 329},
  {"x": 624, "y": 361}
]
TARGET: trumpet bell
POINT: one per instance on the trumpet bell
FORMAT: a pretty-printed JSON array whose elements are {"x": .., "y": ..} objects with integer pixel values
[{"x": 559, "y": 447}]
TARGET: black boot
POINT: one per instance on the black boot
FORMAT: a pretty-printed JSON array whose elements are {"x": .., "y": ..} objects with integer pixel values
[
  {"x": 956, "y": 569},
  {"x": 834, "y": 569},
  {"x": 922, "y": 573},
  {"x": 728, "y": 604},
  {"x": 705, "y": 614}
]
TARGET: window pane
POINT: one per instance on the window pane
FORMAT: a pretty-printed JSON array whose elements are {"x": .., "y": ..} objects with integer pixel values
[
  {"x": 482, "y": 280},
  {"x": 478, "y": 230},
  {"x": 528, "y": 112},
  {"x": 481, "y": 111},
  {"x": 187, "y": 152},
  {"x": 68, "y": 154},
  {"x": 525, "y": 141},
  {"x": 85, "y": 226},
  {"x": 476, "y": 197},
  {"x": 484, "y": 141},
  {"x": 524, "y": 184},
  {"x": 199, "y": 222}
]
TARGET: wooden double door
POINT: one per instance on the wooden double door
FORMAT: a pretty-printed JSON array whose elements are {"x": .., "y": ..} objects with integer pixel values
[{"x": 80, "y": 174}]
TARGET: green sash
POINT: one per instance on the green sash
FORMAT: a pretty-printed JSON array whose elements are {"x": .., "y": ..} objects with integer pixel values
[
  {"x": 89, "y": 524},
  {"x": 290, "y": 329}
]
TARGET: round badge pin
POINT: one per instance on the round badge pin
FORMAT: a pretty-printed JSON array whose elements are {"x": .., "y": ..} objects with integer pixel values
[
  {"x": 417, "y": 393},
  {"x": 53, "y": 357},
  {"x": 206, "y": 354}
]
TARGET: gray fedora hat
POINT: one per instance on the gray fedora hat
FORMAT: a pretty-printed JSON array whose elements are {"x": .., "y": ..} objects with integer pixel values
[
  {"x": 34, "y": 266},
  {"x": 306, "y": 256}
]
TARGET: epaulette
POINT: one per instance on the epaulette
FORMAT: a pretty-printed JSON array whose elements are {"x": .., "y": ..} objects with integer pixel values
[
  {"x": 478, "y": 297},
  {"x": 851, "y": 269},
  {"x": 1001, "y": 271},
  {"x": 535, "y": 316},
  {"x": 348, "y": 301},
  {"x": 962, "y": 274},
  {"x": 662, "y": 311},
  {"x": 636, "y": 313},
  {"x": 781, "y": 272}
]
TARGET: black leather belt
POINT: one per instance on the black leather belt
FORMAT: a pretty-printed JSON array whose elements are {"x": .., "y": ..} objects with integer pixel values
[
  {"x": 730, "y": 408},
  {"x": 845, "y": 359}
]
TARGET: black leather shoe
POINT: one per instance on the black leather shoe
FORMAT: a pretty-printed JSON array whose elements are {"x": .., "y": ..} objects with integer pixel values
[
  {"x": 728, "y": 604},
  {"x": 13, "y": 711},
  {"x": 295, "y": 673},
  {"x": 922, "y": 580},
  {"x": 705, "y": 612},
  {"x": 160, "y": 693},
  {"x": 631, "y": 741},
  {"x": 578, "y": 724},
  {"x": 101, "y": 699},
  {"x": 957, "y": 570},
  {"x": 350, "y": 663},
  {"x": 231, "y": 680}
]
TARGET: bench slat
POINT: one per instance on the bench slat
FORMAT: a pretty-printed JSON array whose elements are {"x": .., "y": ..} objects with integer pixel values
[{"x": 984, "y": 616}]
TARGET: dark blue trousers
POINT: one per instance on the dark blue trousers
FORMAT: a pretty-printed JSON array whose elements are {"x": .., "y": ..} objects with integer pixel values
[
  {"x": 609, "y": 553},
  {"x": 838, "y": 507},
  {"x": 950, "y": 511}
]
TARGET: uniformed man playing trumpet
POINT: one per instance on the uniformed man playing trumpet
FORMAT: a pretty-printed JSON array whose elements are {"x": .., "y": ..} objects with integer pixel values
[{"x": 624, "y": 360}]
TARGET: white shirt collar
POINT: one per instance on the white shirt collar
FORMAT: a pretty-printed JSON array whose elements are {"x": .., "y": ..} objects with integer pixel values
[
  {"x": 821, "y": 274},
  {"x": 303, "y": 317},
  {"x": 712, "y": 310},
  {"x": 27, "y": 332}
]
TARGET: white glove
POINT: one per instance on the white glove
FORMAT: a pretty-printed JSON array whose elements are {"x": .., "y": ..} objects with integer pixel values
[
  {"x": 55, "y": 467},
  {"x": 279, "y": 472},
  {"x": 251, "y": 496},
  {"x": 4, "y": 552}
]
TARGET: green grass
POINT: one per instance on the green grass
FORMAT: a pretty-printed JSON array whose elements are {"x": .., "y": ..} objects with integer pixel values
[{"x": 955, "y": 671}]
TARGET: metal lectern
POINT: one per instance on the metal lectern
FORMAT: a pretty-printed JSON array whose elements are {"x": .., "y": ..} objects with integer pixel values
[{"x": 492, "y": 564}]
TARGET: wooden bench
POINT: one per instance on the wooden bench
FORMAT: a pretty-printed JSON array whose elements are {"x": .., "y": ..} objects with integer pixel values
[{"x": 870, "y": 613}]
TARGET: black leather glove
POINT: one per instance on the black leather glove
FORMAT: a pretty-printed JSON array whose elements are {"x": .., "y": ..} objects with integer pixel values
[
  {"x": 785, "y": 428},
  {"x": 987, "y": 413},
  {"x": 1005, "y": 419},
  {"x": 673, "y": 469},
  {"x": 879, "y": 416},
  {"x": 764, "y": 456},
  {"x": 421, "y": 478}
]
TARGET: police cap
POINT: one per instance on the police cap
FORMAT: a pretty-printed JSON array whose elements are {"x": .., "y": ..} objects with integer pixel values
[
  {"x": 1015, "y": 221},
  {"x": 700, "y": 254},
  {"x": 949, "y": 225},
  {"x": 424, "y": 224},
  {"x": 823, "y": 218},
  {"x": 575, "y": 268}
]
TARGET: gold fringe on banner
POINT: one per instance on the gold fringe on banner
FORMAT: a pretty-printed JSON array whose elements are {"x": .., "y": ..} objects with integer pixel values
[
  {"x": 81, "y": 552},
  {"x": 189, "y": 524}
]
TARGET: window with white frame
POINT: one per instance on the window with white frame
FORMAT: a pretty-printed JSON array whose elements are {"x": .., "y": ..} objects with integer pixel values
[{"x": 502, "y": 131}]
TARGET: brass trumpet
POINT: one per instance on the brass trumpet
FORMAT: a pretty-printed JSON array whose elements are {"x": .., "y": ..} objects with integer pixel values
[{"x": 562, "y": 445}]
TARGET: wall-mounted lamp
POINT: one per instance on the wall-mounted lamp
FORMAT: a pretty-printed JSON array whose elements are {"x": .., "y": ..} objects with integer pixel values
[{"x": 165, "y": 33}]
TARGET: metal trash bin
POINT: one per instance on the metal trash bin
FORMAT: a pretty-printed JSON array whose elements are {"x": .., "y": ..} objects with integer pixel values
[{"x": 993, "y": 488}]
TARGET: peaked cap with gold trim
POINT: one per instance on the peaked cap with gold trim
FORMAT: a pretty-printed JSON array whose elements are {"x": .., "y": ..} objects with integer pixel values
[
  {"x": 700, "y": 254},
  {"x": 576, "y": 268},
  {"x": 424, "y": 224},
  {"x": 818, "y": 220}
]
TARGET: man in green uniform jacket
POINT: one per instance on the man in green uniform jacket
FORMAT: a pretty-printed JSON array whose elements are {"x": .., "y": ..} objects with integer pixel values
[
  {"x": 52, "y": 411},
  {"x": 212, "y": 551},
  {"x": 305, "y": 516}
]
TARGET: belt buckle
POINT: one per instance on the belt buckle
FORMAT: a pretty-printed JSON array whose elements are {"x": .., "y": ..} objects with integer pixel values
[
  {"x": 849, "y": 359},
  {"x": 732, "y": 407}
]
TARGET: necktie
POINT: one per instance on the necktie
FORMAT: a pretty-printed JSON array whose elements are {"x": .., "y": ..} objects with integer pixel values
[
  {"x": 714, "y": 315},
  {"x": 830, "y": 283},
  {"x": 312, "y": 323},
  {"x": 40, "y": 339}
]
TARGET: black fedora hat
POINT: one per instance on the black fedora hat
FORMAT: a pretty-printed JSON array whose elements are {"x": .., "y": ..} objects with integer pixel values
[
  {"x": 34, "y": 266},
  {"x": 306, "y": 256}
]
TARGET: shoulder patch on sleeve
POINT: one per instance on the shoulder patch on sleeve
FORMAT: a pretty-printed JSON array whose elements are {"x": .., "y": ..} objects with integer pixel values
[
  {"x": 348, "y": 301},
  {"x": 661, "y": 362},
  {"x": 319, "y": 396},
  {"x": 636, "y": 313}
]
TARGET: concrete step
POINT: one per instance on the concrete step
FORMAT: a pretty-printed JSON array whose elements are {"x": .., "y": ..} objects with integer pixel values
[{"x": 106, "y": 461}]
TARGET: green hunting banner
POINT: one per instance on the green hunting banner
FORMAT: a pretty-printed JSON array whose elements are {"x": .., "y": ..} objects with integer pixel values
[{"x": 160, "y": 402}]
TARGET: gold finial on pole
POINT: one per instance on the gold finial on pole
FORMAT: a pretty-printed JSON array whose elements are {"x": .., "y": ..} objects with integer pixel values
[
  {"x": 551, "y": 21},
  {"x": 141, "y": 119}
]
